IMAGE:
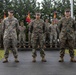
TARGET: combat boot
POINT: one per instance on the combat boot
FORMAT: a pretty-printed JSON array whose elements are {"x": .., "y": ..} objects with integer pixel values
[
  {"x": 5, "y": 60},
  {"x": 43, "y": 59},
  {"x": 72, "y": 60},
  {"x": 16, "y": 60},
  {"x": 61, "y": 59},
  {"x": 34, "y": 59}
]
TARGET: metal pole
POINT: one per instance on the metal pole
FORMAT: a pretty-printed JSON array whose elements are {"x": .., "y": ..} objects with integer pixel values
[{"x": 71, "y": 1}]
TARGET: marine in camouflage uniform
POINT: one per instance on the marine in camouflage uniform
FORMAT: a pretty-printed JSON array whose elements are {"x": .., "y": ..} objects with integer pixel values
[
  {"x": 46, "y": 34},
  {"x": 22, "y": 36},
  {"x": 53, "y": 33},
  {"x": 37, "y": 29},
  {"x": 9, "y": 26},
  {"x": 67, "y": 27}
]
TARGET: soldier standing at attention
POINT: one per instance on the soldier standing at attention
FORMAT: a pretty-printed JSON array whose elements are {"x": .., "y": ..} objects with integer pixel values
[
  {"x": 37, "y": 29},
  {"x": 22, "y": 37},
  {"x": 67, "y": 27},
  {"x": 9, "y": 27},
  {"x": 53, "y": 33}
]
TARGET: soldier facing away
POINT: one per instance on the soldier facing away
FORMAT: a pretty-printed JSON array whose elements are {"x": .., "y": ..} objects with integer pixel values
[
  {"x": 22, "y": 36},
  {"x": 37, "y": 29},
  {"x": 67, "y": 27},
  {"x": 9, "y": 27}
]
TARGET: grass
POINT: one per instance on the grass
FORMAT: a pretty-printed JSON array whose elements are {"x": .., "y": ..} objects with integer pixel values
[
  {"x": 67, "y": 52},
  {"x": 1, "y": 54}
]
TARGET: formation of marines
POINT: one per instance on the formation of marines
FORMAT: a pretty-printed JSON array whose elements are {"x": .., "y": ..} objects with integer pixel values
[{"x": 38, "y": 32}]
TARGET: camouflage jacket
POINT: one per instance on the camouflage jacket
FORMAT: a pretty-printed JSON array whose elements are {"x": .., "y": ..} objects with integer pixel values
[
  {"x": 9, "y": 27},
  {"x": 47, "y": 27},
  {"x": 53, "y": 29},
  {"x": 67, "y": 28},
  {"x": 22, "y": 29},
  {"x": 37, "y": 26}
]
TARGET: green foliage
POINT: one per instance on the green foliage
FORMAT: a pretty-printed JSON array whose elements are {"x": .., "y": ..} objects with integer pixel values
[
  {"x": 47, "y": 8},
  {"x": 75, "y": 8},
  {"x": 1, "y": 54},
  {"x": 1, "y": 8},
  {"x": 67, "y": 51},
  {"x": 51, "y": 6}
]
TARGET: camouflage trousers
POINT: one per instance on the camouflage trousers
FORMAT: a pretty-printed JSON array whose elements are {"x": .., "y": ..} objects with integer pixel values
[
  {"x": 35, "y": 40},
  {"x": 22, "y": 39},
  {"x": 46, "y": 37},
  {"x": 29, "y": 38},
  {"x": 53, "y": 37},
  {"x": 13, "y": 43},
  {"x": 70, "y": 44}
]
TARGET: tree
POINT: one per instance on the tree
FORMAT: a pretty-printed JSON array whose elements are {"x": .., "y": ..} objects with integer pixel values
[
  {"x": 20, "y": 7},
  {"x": 75, "y": 8},
  {"x": 51, "y": 6},
  {"x": 1, "y": 9},
  {"x": 47, "y": 9}
]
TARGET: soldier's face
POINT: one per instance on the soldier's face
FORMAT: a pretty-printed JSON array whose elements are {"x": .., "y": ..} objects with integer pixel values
[
  {"x": 46, "y": 20},
  {"x": 37, "y": 16},
  {"x": 53, "y": 22},
  {"x": 67, "y": 14},
  {"x": 10, "y": 13},
  {"x": 22, "y": 24}
]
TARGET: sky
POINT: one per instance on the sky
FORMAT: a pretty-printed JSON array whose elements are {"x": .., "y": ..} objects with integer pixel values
[{"x": 39, "y": 0}]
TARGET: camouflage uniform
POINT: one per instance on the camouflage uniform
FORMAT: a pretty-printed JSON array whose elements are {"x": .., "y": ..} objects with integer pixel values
[
  {"x": 29, "y": 35},
  {"x": 22, "y": 36},
  {"x": 46, "y": 35},
  {"x": 37, "y": 28},
  {"x": 9, "y": 26},
  {"x": 53, "y": 34},
  {"x": 67, "y": 35}
]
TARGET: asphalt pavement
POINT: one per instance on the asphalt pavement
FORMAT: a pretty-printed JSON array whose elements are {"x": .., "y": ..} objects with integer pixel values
[{"x": 27, "y": 67}]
